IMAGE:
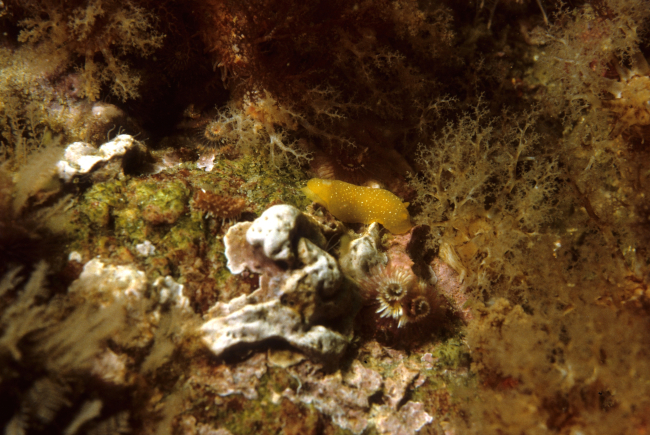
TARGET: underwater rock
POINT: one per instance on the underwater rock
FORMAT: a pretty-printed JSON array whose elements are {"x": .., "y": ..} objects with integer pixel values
[
  {"x": 343, "y": 398},
  {"x": 238, "y": 379},
  {"x": 110, "y": 367},
  {"x": 302, "y": 290},
  {"x": 284, "y": 358},
  {"x": 397, "y": 251},
  {"x": 80, "y": 157},
  {"x": 350, "y": 398},
  {"x": 92, "y": 122},
  {"x": 397, "y": 383},
  {"x": 102, "y": 118},
  {"x": 242, "y": 256},
  {"x": 450, "y": 285},
  {"x": 130, "y": 315},
  {"x": 118, "y": 297},
  {"x": 206, "y": 161},
  {"x": 408, "y": 420}
]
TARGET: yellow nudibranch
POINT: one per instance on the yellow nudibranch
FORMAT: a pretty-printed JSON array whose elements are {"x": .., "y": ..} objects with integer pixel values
[{"x": 358, "y": 204}]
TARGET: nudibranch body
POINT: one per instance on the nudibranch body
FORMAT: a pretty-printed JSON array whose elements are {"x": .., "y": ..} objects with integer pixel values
[{"x": 358, "y": 204}]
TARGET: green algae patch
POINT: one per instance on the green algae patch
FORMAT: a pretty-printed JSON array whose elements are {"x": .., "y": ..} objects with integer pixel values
[
  {"x": 451, "y": 354},
  {"x": 186, "y": 234},
  {"x": 161, "y": 202},
  {"x": 150, "y": 206},
  {"x": 99, "y": 201},
  {"x": 246, "y": 178},
  {"x": 241, "y": 416},
  {"x": 179, "y": 213},
  {"x": 267, "y": 414}
]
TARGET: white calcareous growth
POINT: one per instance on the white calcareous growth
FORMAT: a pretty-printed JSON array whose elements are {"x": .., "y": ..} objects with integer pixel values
[
  {"x": 110, "y": 282},
  {"x": 145, "y": 248},
  {"x": 302, "y": 289},
  {"x": 276, "y": 229},
  {"x": 80, "y": 157}
]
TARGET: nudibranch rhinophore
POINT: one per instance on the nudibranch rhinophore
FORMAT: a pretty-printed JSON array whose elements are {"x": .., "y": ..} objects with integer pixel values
[{"x": 358, "y": 204}]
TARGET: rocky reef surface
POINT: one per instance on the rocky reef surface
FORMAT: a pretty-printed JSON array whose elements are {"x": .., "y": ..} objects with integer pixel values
[{"x": 163, "y": 272}]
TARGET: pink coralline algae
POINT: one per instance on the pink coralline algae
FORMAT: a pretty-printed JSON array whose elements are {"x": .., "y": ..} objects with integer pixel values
[
  {"x": 345, "y": 397},
  {"x": 225, "y": 380},
  {"x": 398, "y": 382},
  {"x": 189, "y": 426},
  {"x": 397, "y": 253},
  {"x": 449, "y": 284},
  {"x": 408, "y": 420}
]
